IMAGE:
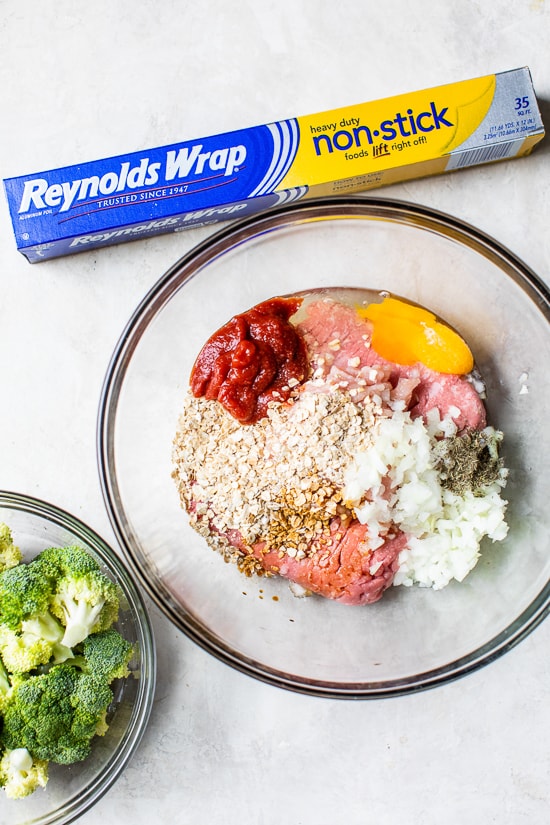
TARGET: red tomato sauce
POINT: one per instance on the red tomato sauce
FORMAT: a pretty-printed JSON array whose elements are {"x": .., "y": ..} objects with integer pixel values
[{"x": 255, "y": 358}]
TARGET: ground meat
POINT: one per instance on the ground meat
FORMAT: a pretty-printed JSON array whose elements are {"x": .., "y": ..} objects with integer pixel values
[
  {"x": 344, "y": 568},
  {"x": 268, "y": 496},
  {"x": 340, "y": 350}
]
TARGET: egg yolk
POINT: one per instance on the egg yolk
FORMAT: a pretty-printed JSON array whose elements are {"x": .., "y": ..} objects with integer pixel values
[{"x": 407, "y": 334}]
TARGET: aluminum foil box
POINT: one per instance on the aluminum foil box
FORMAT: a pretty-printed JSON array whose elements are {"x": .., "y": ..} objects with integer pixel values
[{"x": 230, "y": 175}]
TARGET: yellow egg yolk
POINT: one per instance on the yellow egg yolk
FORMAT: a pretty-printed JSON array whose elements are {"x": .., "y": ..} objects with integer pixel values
[{"x": 407, "y": 334}]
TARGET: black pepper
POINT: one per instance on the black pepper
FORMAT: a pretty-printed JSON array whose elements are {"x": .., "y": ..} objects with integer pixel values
[{"x": 469, "y": 461}]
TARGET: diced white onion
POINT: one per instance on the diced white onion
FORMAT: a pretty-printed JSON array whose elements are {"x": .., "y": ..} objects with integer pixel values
[{"x": 394, "y": 483}]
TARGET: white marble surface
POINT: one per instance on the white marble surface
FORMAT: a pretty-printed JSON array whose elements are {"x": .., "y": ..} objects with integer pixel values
[{"x": 79, "y": 81}]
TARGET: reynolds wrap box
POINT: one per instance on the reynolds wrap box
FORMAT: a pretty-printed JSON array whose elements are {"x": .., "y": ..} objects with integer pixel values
[{"x": 231, "y": 175}]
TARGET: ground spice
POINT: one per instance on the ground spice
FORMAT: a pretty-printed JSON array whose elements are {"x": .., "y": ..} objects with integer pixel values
[{"x": 469, "y": 461}]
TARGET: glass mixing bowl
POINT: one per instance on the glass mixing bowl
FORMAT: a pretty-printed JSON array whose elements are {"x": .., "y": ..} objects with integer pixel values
[
  {"x": 413, "y": 638},
  {"x": 73, "y": 789}
]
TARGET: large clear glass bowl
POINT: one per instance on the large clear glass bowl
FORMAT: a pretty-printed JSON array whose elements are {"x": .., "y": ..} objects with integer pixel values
[
  {"x": 73, "y": 789},
  {"x": 413, "y": 638}
]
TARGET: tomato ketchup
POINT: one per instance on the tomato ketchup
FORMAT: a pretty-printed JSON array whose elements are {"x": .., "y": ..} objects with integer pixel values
[{"x": 256, "y": 358}]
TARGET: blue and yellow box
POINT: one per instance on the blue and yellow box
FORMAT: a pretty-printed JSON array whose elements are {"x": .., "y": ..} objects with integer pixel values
[{"x": 230, "y": 175}]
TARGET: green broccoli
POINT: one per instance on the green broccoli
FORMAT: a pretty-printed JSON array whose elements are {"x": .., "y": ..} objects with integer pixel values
[
  {"x": 85, "y": 599},
  {"x": 28, "y": 631},
  {"x": 85, "y": 604},
  {"x": 58, "y": 656},
  {"x": 71, "y": 559},
  {"x": 21, "y": 774},
  {"x": 56, "y": 714},
  {"x": 66, "y": 581},
  {"x": 26, "y": 591},
  {"x": 102, "y": 657},
  {"x": 106, "y": 655},
  {"x": 10, "y": 555},
  {"x": 92, "y": 698},
  {"x": 36, "y": 640}
]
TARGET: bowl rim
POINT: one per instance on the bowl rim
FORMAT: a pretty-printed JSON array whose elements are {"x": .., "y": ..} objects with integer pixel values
[
  {"x": 230, "y": 236},
  {"x": 77, "y": 805}
]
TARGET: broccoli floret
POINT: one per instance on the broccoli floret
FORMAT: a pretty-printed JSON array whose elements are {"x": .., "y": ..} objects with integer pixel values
[
  {"x": 85, "y": 599},
  {"x": 106, "y": 655},
  {"x": 102, "y": 658},
  {"x": 28, "y": 631},
  {"x": 92, "y": 698},
  {"x": 26, "y": 591},
  {"x": 85, "y": 604},
  {"x": 56, "y": 714},
  {"x": 72, "y": 559},
  {"x": 33, "y": 643},
  {"x": 10, "y": 555},
  {"x": 20, "y": 774},
  {"x": 66, "y": 581}
]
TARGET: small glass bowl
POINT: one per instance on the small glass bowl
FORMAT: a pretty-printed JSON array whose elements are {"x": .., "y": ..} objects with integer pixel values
[
  {"x": 74, "y": 789},
  {"x": 413, "y": 638}
]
